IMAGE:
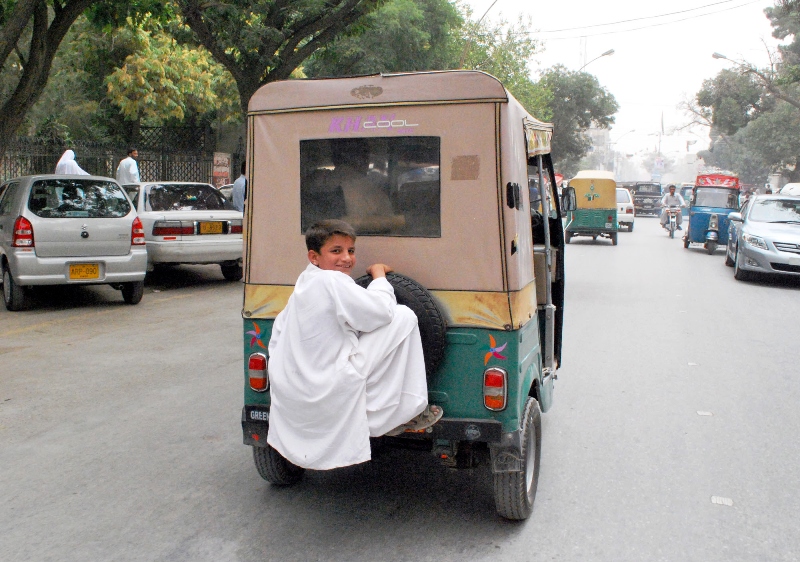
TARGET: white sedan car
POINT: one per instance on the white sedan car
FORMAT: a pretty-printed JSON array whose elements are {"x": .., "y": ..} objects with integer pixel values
[
  {"x": 189, "y": 223},
  {"x": 625, "y": 208}
]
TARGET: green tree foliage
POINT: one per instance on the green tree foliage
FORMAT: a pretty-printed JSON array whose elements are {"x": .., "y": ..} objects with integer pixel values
[
  {"x": 403, "y": 35},
  {"x": 731, "y": 100},
  {"x": 260, "y": 41},
  {"x": 578, "y": 102}
]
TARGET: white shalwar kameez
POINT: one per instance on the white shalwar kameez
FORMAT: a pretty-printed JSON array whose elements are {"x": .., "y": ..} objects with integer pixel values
[
  {"x": 68, "y": 166},
  {"x": 346, "y": 363}
]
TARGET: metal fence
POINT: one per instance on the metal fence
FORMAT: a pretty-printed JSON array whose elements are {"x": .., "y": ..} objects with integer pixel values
[{"x": 164, "y": 154}]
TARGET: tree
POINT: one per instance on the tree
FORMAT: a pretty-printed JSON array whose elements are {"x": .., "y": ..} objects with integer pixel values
[
  {"x": 578, "y": 102},
  {"x": 261, "y": 41}
]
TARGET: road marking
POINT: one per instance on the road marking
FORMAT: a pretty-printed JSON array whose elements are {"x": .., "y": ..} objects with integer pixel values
[
  {"x": 719, "y": 500},
  {"x": 700, "y": 413},
  {"x": 693, "y": 364}
]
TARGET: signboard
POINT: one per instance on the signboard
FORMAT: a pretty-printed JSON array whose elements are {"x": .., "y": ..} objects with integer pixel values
[{"x": 221, "y": 172}]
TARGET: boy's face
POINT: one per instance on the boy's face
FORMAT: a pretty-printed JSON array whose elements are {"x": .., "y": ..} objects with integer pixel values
[{"x": 338, "y": 253}]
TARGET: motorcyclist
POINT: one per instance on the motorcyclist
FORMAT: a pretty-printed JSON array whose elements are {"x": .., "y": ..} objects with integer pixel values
[{"x": 672, "y": 199}]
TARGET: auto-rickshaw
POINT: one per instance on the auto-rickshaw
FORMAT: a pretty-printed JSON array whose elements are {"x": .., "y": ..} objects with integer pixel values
[
  {"x": 714, "y": 197},
  {"x": 452, "y": 152},
  {"x": 596, "y": 215}
]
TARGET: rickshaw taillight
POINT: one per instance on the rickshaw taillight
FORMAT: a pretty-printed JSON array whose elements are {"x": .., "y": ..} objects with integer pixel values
[
  {"x": 257, "y": 368},
  {"x": 495, "y": 388}
]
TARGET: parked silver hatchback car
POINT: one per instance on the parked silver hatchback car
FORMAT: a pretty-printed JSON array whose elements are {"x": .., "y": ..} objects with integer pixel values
[{"x": 66, "y": 230}]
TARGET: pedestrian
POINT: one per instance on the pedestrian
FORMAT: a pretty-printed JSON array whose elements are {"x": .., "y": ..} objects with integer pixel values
[
  {"x": 68, "y": 166},
  {"x": 128, "y": 169},
  {"x": 346, "y": 362},
  {"x": 239, "y": 190}
]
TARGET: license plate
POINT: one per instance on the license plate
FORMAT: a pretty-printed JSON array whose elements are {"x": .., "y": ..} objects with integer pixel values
[
  {"x": 609, "y": 225},
  {"x": 210, "y": 228},
  {"x": 84, "y": 271}
]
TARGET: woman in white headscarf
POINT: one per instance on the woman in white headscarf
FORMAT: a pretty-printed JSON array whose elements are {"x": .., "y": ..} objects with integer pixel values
[{"x": 67, "y": 165}]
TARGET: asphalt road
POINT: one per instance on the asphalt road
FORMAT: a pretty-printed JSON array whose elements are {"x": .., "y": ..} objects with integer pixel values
[{"x": 120, "y": 436}]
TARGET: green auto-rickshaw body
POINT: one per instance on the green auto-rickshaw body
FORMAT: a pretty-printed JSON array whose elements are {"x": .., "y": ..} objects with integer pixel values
[{"x": 596, "y": 213}]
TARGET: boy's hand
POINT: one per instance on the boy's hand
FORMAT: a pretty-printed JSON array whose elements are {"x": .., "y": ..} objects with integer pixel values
[{"x": 378, "y": 270}]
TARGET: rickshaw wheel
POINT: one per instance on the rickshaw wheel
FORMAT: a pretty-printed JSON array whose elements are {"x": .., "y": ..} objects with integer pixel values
[
  {"x": 274, "y": 468},
  {"x": 432, "y": 326},
  {"x": 686, "y": 241},
  {"x": 515, "y": 492},
  {"x": 711, "y": 247},
  {"x": 613, "y": 237},
  {"x": 567, "y": 236}
]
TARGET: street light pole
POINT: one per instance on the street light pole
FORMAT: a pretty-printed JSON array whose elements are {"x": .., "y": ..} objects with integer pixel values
[{"x": 606, "y": 54}]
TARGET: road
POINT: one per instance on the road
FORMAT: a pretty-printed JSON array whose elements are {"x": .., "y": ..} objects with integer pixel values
[{"x": 120, "y": 436}]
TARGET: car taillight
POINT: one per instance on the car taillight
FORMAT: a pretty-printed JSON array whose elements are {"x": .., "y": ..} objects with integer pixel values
[
  {"x": 236, "y": 227},
  {"x": 137, "y": 233},
  {"x": 629, "y": 211},
  {"x": 257, "y": 369},
  {"x": 23, "y": 233},
  {"x": 173, "y": 228},
  {"x": 495, "y": 388}
]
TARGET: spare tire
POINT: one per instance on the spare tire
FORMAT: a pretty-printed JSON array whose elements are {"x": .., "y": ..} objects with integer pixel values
[{"x": 432, "y": 326}]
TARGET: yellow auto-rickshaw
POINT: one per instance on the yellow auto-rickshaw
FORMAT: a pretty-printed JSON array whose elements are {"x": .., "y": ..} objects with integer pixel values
[{"x": 596, "y": 215}]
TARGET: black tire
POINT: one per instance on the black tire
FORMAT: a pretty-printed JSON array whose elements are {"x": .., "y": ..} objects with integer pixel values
[
  {"x": 14, "y": 296},
  {"x": 738, "y": 273},
  {"x": 275, "y": 469},
  {"x": 567, "y": 236},
  {"x": 613, "y": 236},
  {"x": 630, "y": 227},
  {"x": 515, "y": 492},
  {"x": 432, "y": 326},
  {"x": 711, "y": 247},
  {"x": 728, "y": 259},
  {"x": 686, "y": 241},
  {"x": 132, "y": 292},
  {"x": 231, "y": 272}
]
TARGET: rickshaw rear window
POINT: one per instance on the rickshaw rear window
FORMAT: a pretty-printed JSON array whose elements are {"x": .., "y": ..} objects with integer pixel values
[
  {"x": 716, "y": 197},
  {"x": 65, "y": 198},
  {"x": 387, "y": 186}
]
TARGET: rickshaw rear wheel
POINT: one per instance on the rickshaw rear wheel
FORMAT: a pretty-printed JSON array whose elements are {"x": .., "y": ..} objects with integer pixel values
[
  {"x": 515, "y": 492},
  {"x": 686, "y": 241},
  {"x": 613, "y": 237},
  {"x": 567, "y": 236},
  {"x": 274, "y": 468}
]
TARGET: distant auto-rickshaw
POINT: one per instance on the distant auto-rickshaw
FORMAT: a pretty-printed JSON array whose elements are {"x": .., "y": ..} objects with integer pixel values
[
  {"x": 714, "y": 197},
  {"x": 596, "y": 215}
]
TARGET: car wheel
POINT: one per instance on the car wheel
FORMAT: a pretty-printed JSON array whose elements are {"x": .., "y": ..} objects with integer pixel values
[
  {"x": 728, "y": 259},
  {"x": 132, "y": 292},
  {"x": 630, "y": 227},
  {"x": 14, "y": 296},
  {"x": 514, "y": 492},
  {"x": 274, "y": 468},
  {"x": 738, "y": 273},
  {"x": 231, "y": 272},
  {"x": 613, "y": 236},
  {"x": 711, "y": 247}
]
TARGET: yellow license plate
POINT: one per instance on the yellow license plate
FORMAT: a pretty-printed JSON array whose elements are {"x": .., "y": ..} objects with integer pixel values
[
  {"x": 210, "y": 228},
  {"x": 84, "y": 271}
]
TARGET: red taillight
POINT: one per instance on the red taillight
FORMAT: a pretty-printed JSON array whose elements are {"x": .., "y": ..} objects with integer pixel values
[
  {"x": 137, "y": 233},
  {"x": 495, "y": 388},
  {"x": 257, "y": 370},
  {"x": 236, "y": 227},
  {"x": 23, "y": 233},
  {"x": 610, "y": 218},
  {"x": 629, "y": 211},
  {"x": 173, "y": 228}
]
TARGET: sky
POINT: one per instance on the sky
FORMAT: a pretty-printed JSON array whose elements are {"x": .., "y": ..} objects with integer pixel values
[{"x": 659, "y": 60}]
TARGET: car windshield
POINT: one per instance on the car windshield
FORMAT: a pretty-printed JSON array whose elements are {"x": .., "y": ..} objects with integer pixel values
[
  {"x": 387, "y": 186},
  {"x": 622, "y": 196},
  {"x": 185, "y": 197},
  {"x": 716, "y": 197},
  {"x": 775, "y": 210},
  {"x": 64, "y": 198},
  {"x": 649, "y": 189}
]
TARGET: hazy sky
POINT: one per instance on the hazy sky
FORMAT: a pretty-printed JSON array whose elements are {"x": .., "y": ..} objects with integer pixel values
[{"x": 658, "y": 61}]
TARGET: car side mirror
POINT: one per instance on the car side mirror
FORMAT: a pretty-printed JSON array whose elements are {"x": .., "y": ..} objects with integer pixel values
[
  {"x": 569, "y": 202},
  {"x": 737, "y": 217}
]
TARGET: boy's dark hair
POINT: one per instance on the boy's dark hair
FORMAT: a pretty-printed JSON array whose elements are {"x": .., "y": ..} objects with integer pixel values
[
  {"x": 319, "y": 233},
  {"x": 131, "y": 150}
]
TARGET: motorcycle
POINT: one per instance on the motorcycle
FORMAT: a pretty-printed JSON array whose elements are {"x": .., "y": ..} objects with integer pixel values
[{"x": 672, "y": 219}]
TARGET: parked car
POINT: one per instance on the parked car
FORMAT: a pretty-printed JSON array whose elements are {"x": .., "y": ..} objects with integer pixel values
[
  {"x": 189, "y": 223},
  {"x": 765, "y": 237},
  {"x": 227, "y": 191},
  {"x": 625, "y": 209},
  {"x": 790, "y": 189},
  {"x": 69, "y": 230}
]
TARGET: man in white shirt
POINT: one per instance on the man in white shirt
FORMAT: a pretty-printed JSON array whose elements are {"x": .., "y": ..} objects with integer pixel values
[
  {"x": 672, "y": 199},
  {"x": 239, "y": 190},
  {"x": 128, "y": 170}
]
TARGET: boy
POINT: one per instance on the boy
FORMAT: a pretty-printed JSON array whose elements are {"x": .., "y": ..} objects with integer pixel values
[{"x": 346, "y": 362}]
